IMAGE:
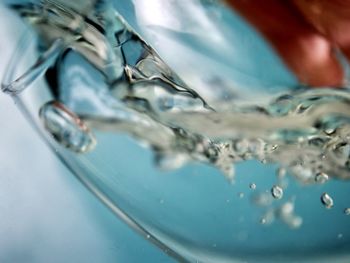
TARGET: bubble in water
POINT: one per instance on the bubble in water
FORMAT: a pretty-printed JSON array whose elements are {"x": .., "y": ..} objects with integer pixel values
[
  {"x": 287, "y": 215},
  {"x": 148, "y": 236},
  {"x": 257, "y": 147},
  {"x": 262, "y": 199},
  {"x": 281, "y": 172},
  {"x": 66, "y": 127},
  {"x": 252, "y": 186},
  {"x": 268, "y": 218},
  {"x": 302, "y": 173},
  {"x": 241, "y": 195},
  {"x": 263, "y": 220},
  {"x": 295, "y": 222},
  {"x": 241, "y": 146},
  {"x": 168, "y": 162},
  {"x": 329, "y": 131},
  {"x": 340, "y": 235},
  {"x": 321, "y": 178},
  {"x": 327, "y": 201},
  {"x": 287, "y": 208},
  {"x": 269, "y": 148},
  {"x": 347, "y": 211},
  {"x": 277, "y": 192}
]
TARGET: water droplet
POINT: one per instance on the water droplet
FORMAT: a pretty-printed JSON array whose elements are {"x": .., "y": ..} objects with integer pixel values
[
  {"x": 241, "y": 195},
  {"x": 277, "y": 192},
  {"x": 327, "y": 201},
  {"x": 347, "y": 211},
  {"x": 321, "y": 178},
  {"x": 252, "y": 186},
  {"x": 148, "y": 236},
  {"x": 66, "y": 127}
]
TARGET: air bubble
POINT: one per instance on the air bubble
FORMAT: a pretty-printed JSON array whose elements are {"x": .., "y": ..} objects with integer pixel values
[
  {"x": 262, "y": 199},
  {"x": 263, "y": 220},
  {"x": 347, "y": 211},
  {"x": 295, "y": 222},
  {"x": 241, "y": 146},
  {"x": 321, "y": 178},
  {"x": 277, "y": 192},
  {"x": 327, "y": 201},
  {"x": 66, "y": 127},
  {"x": 252, "y": 186},
  {"x": 329, "y": 131}
]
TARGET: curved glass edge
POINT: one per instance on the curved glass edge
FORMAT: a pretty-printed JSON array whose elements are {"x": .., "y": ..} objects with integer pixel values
[{"x": 14, "y": 86}]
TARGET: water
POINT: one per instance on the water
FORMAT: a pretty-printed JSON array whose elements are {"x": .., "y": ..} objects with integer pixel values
[
  {"x": 129, "y": 89},
  {"x": 252, "y": 186},
  {"x": 67, "y": 128},
  {"x": 347, "y": 211},
  {"x": 304, "y": 130},
  {"x": 277, "y": 192},
  {"x": 327, "y": 200},
  {"x": 321, "y": 178}
]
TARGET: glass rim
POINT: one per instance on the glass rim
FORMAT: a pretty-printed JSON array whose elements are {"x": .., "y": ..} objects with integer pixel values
[{"x": 13, "y": 84}]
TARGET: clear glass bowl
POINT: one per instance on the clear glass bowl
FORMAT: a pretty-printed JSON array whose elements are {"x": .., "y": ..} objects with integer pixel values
[{"x": 70, "y": 93}]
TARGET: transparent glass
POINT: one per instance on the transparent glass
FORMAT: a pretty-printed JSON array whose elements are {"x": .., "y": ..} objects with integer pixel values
[{"x": 149, "y": 103}]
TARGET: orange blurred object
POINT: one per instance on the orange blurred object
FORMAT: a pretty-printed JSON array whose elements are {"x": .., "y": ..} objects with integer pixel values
[{"x": 306, "y": 33}]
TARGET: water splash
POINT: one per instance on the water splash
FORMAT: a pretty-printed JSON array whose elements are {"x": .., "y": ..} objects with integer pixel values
[{"x": 305, "y": 132}]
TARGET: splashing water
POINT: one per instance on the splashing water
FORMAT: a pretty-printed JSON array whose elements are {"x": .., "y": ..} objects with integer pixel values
[{"x": 305, "y": 131}]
